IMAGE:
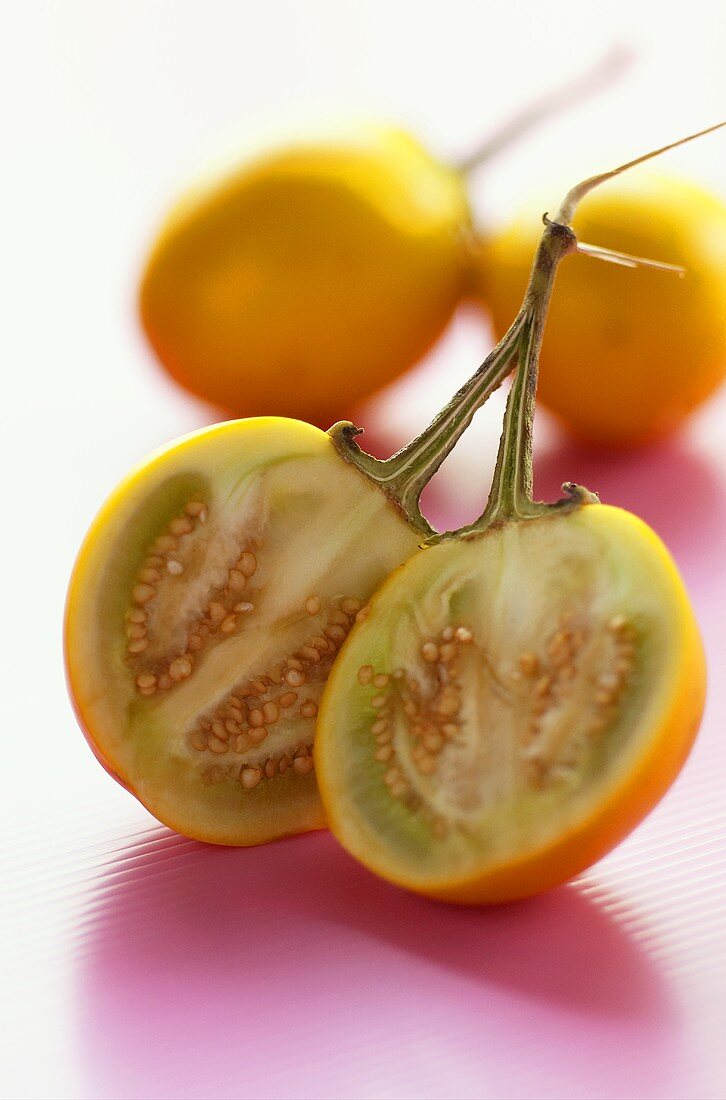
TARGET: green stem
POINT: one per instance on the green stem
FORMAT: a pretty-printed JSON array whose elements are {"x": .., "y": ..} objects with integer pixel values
[
  {"x": 510, "y": 497},
  {"x": 511, "y": 492},
  {"x": 512, "y": 481},
  {"x": 404, "y": 475}
]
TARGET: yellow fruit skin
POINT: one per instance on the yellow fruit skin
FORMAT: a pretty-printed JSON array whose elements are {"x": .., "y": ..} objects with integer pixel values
[
  {"x": 309, "y": 279},
  {"x": 627, "y": 354},
  {"x": 614, "y": 817}
]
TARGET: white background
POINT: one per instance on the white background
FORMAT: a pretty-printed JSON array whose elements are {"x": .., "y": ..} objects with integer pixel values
[{"x": 108, "y": 110}]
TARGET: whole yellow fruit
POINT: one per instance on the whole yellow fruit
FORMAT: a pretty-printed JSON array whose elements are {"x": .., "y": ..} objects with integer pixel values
[
  {"x": 627, "y": 353},
  {"x": 307, "y": 280}
]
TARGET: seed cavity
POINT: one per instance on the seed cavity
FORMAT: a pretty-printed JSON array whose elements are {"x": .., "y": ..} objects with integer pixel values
[
  {"x": 171, "y": 555},
  {"x": 586, "y": 670},
  {"x": 562, "y": 696},
  {"x": 267, "y": 709},
  {"x": 429, "y": 706}
]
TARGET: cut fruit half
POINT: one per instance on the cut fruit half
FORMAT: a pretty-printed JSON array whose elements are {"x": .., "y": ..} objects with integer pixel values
[
  {"x": 207, "y": 605},
  {"x": 511, "y": 706}
]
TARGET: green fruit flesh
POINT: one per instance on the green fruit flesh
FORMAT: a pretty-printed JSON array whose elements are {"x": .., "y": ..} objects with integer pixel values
[{"x": 211, "y": 599}]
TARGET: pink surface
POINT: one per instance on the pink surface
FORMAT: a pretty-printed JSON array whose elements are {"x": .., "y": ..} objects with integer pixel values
[{"x": 292, "y": 972}]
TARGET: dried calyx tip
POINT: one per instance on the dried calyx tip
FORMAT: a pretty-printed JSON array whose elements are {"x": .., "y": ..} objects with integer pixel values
[
  {"x": 624, "y": 259},
  {"x": 344, "y": 429},
  {"x": 579, "y": 493}
]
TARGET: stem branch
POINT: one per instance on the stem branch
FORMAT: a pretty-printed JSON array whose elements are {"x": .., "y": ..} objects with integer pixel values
[
  {"x": 404, "y": 475},
  {"x": 510, "y": 497}
]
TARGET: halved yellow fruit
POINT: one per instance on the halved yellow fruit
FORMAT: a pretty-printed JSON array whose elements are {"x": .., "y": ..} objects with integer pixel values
[
  {"x": 511, "y": 706},
  {"x": 207, "y": 604}
]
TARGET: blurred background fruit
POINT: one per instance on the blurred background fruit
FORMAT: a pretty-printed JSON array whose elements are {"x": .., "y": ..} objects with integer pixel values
[
  {"x": 305, "y": 280},
  {"x": 627, "y": 354},
  {"x": 302, "y": 282}
]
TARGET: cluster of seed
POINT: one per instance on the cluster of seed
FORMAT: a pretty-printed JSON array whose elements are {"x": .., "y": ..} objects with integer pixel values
[
  {"x": 550, "y": 676},
  {"x": 247, "y": 715},
  {"x": 219, "y": 618},
  {"x": 163, "y": 560},
  {"x": 298, "y": 761},
  {"x": 551, "y": 680},
  {"x": 431, "y": 714},
  {"x": 612, "y": 681},
  {"x": 245, "y": 720}
]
